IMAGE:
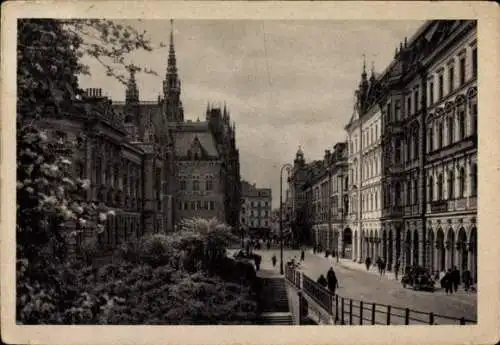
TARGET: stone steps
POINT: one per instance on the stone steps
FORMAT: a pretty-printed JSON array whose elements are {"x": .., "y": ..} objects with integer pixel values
[{"x": 276, "y": 319}]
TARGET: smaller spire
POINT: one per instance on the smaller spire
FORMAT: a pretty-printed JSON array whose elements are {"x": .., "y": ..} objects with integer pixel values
[
  {"x": 131, "y": 93},
  {"x": 406, "y": 42},
  {"x": 372, "y": 77}
]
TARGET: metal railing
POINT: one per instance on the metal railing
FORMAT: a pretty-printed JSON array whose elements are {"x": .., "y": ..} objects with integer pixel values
[{"x": 350, "y": 311}]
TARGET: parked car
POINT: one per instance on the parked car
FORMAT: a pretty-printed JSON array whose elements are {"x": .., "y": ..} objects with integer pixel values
[
  {"x": 242, "y": 254},
  {"x": 419, "y": 278}
]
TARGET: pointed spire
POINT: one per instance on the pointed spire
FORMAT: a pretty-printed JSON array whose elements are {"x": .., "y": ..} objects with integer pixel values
[
  {"x": 373, "y": 70},
  {"x": 172, "y": 63},
  {"x": 172, "y": 84}
]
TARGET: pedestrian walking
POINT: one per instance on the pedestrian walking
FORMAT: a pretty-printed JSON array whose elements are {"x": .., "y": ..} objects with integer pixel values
[
  {"x": 447, "y": 281},
  {"x": 257, "y": 259},
  {"x": 314, "y": 249},
  {"x": 382, "y": 268},
  {"x": 368, "y": 263},
  {"x": 396, "y": 268},
  {"x": 455, "y": 273},
  {"x": 332, "y": 280},
  {"x": 322, "y": 281},
  {"x": 302, "y": 255},
  {"x": 273, "y": 259},
  {"x": 467, "y": 280}
]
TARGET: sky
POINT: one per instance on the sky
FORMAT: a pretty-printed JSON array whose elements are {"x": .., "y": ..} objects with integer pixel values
[{"x": 286, "y": 83}]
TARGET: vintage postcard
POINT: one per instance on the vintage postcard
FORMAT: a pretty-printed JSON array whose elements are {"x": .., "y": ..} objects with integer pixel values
[{"x": 249, "y": 173}]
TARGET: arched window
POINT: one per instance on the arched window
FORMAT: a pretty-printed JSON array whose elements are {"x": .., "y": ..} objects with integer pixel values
[
  {"x": 461, "y": 124},
  {"x": 397, "y": 200},
  {"x": 461, "y": 183},
  {"x": 397, "y": 152},
  {"x": 473, "y": 113},
  {"x": 196, "y": 184},
  {"x": 408, "y": 193},
  {"x": 416, "y": 145},
  {"x": 451, "y": 183},
  {"x": 415, "y": 191},
  {"x": 431, "y": 139},
  {"x": 451, "y": 129},
  {"x": 431, "y": 189},
  {"x": 440, "y": 187},
  {"x": 473, "y": 184},
  {"x": 440, "y": 135}
]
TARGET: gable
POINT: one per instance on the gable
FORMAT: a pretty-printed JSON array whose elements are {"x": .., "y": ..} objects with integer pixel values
[{"x": 187, "y": 142}]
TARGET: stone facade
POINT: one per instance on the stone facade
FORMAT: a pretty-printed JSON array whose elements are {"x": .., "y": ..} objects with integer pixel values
[
  {"x": 147, "y": 163},
  {"x": 412, "y": 153},
  {"x": 202, "y": 174},
  {"x": 256, "y": 214},
  {"x": 326, "y": 190}
]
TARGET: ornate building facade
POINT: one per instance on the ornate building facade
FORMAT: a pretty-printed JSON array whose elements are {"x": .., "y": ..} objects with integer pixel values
[
  {"x": 412, "y": 154},
  {"x": 427, "y": 102},
  {"x": 147, "y": 163},
  {"x": 201, "y": 176},
  {"x": 326, "y": 194},
  {"x": 256, "y": 215}
]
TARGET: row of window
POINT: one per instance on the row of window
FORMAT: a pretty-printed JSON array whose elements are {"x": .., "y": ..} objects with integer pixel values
[
  {"x": 259, "y": 203},
  {"x": 321, "y": 192},
  {"x": 253, "y": 223},
  {"x": 436, "y": 186},
  {"x": 451, "y": 74},
  {"x": 195, "y": 205},
  {"x": 457, "y": 127},
  {"x": 196, "y": 184},
  {"x": 258, "y": 213}
]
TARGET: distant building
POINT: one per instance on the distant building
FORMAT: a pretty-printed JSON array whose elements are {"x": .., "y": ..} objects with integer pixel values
[
  {"x": 326, "y": 195},
  {"x": 256, "y": 217}
]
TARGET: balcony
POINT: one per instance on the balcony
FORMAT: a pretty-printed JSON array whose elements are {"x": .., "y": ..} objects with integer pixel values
[{"x": 451, "y": 150}]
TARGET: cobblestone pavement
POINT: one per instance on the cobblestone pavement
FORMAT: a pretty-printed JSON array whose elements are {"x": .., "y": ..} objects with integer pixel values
[{"x": 356, "y": 283}]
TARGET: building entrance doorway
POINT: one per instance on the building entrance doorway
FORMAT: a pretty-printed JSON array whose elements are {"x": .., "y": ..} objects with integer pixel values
[{"x": 347, "y": 243}]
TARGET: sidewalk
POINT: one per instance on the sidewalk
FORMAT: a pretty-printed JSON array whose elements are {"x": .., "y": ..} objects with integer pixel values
[{"x": 351, "y": 265}]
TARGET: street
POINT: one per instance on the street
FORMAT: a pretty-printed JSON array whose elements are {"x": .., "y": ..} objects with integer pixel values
[{"x": 361, "y": 285}]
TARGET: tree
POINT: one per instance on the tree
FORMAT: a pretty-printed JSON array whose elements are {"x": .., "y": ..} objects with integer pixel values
[
  {"x": 49, "y": 52},
  {"x": 51, "y": 211}
]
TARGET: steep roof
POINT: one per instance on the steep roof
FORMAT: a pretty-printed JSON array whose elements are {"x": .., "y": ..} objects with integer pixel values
[{"x": 185, "y": 136}]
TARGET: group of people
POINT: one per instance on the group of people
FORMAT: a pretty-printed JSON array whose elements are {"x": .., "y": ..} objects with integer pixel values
[
  {"x": 331, "y": 282},
  {"x": 381, "y": 265},
  {"x": 450, "y": 280}
]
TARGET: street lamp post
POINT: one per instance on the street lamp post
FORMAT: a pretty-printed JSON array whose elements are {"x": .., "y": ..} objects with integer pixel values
[
  {"x": 288, "y": 167},
  {"x": 341, "y": 216}
]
